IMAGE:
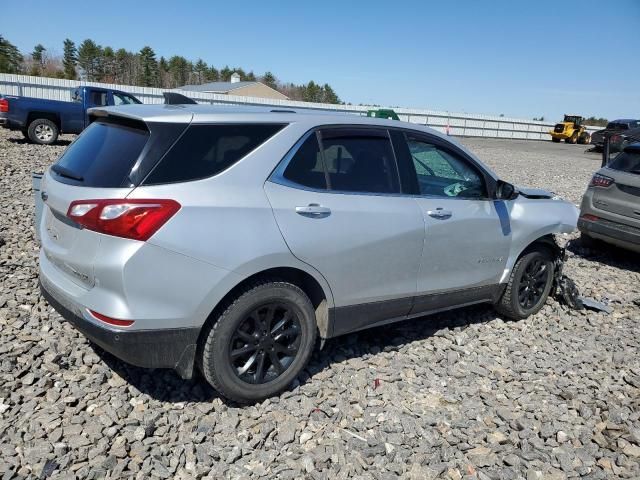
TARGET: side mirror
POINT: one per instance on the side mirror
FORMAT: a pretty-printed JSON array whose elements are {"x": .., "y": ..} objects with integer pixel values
[{"x": 506, "y": 191}]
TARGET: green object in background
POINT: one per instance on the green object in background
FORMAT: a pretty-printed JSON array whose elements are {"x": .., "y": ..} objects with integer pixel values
[{"x": 383, "y": 113}]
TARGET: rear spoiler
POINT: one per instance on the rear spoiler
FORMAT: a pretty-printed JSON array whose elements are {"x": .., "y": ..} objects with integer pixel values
[{"x": 173, "y": 98}]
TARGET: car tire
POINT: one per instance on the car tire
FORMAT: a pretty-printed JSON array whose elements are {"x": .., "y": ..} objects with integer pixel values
[
  {"x": 43, "y": 131},
  {"x": 555, "y": 140},
  {"x": 517, "y": 301},
  {"x": 230, "y": 362}
]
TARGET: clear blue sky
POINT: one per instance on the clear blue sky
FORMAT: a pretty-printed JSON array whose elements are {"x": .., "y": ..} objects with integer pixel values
[{"x": 520, "y": 58}]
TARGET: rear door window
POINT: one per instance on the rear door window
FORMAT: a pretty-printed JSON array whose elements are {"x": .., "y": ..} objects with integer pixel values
[
  {"x": 359, "y": 160},
  {"x": 306, "y": 168},
  {"x": 206, "y": 150},
  {"x": 103, "y": 155}
]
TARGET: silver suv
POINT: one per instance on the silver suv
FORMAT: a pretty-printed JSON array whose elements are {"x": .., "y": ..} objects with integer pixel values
[
  {"x": 231, "y": 240},
  {"x": 610, "y": 208}
]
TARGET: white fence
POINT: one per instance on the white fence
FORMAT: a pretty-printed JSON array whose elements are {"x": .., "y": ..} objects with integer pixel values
[{"x": 463, "y": 124}]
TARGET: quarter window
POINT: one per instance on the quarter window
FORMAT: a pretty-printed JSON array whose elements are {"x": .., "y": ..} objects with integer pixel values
[
  {"x": 443, "y": 173},
  {"x": 206, "y": 150}
]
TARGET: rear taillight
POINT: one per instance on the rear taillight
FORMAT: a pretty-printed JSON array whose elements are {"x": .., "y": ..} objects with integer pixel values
[
  {"x": 601, "y": 181},
  {"x": 111, "y": 321},
  {"x": 615, "y": 138},
  {"x": 589, "y": 217},
  {"x": 135, "y": 219},
  {"x": 4, "y": 105}
]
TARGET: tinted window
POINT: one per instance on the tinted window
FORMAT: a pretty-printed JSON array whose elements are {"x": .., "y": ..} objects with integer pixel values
[
  {"x": 360, "y": 161},
  {"x": 123, "y": 99},
  {"x": 627, "y": 162},
  {"x": 98, "y": 98},
  {"x": 305, "y": 168},
  {"x": 443, "y": 173},
  {"x": 205, "y": 150},
  {"x": 103, "y": 155}
]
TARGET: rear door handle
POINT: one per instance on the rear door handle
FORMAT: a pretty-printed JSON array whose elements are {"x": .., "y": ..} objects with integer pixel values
[
  {"x": 313, "y": 210},
  {"x": 439, "y": 213}
]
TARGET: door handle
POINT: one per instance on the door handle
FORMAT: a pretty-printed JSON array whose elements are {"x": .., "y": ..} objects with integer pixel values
[
  {"x": 313, "y": 210},
  {"x": 439, "y": 213}
]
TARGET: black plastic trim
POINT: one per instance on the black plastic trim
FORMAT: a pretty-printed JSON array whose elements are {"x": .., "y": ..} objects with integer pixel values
[
  {"x": 359, "y": 317},
  {"x": 167, "y": 348}
]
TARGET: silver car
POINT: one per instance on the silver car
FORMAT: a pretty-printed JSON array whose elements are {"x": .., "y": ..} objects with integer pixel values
[{"x": 233, "y": 240}]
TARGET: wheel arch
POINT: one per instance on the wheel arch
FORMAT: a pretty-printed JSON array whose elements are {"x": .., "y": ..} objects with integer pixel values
[
  {"x": 52, "y": 116},
  {"x": 317, "y": 291}
]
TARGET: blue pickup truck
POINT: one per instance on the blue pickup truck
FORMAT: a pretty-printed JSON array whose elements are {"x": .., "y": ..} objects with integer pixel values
[{"x": 41, "y": 121}]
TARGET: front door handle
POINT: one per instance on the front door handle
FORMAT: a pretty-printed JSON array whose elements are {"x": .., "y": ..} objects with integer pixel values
[
  {"x": 439, "y": 213},
  {"x": 313, "y": 210}
]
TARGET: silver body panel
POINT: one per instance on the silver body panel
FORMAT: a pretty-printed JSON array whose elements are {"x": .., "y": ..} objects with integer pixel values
[{"x": 368, "y": 249}]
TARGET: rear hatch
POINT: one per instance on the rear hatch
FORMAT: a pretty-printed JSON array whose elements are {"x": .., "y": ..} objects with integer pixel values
[
  {"x": 107, "y": 161},
  {"x": 622, "y": 197}
]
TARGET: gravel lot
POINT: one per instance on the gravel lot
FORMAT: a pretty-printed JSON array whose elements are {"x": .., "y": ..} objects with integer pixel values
[{"x": 457, "y": 395}]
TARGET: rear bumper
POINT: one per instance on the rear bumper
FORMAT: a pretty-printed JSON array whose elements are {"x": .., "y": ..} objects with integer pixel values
[
  {"x": 165, "y": 348},
  {"x": 6, "y": 122},
  {"x": 612, "y": 232}
]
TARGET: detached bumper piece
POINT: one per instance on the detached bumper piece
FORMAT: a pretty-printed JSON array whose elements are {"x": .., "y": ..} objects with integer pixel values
[
  {"x": 565, "y": 291},
  {"x": 167, "y": 348}
]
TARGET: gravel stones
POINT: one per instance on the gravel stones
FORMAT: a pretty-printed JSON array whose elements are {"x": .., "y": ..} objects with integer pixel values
[{"x": 459, "y": 395}]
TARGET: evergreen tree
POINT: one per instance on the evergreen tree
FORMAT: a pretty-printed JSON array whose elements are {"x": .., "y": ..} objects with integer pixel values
[
  {"x": 90, "y": 59},
  {"x": 212, "y": 74},
  {"x": 179, "y": 70},
  {"x": 148, "y": 67},
  {"x": 10, "y": 57},
  {"x": 329, "y": 96},
  {"x": 69, "y": 59},
  {"x": 270, "y": 80},
  {"x": 251, "y": 77},
  {"x": 108, "y": 65},
  {"x": 39, "y": 59},
  {"x": 225, "y": 74},
  {"x": 200, "y": 69}
]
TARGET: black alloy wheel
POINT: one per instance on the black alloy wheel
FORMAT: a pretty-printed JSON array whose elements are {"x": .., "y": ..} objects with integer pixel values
[
  {"x": 533, "y": 283},
  {"x": 265, "y": 343}
]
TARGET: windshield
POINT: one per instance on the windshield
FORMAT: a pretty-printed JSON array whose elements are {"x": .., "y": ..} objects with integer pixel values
[{"x": 627, "y": 162}]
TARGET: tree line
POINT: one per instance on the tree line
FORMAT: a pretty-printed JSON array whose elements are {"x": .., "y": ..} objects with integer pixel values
[{"x": 92, "y": 62}]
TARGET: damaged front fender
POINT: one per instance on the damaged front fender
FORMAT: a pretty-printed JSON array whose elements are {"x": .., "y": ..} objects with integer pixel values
[{"x": 535, "y": 217}]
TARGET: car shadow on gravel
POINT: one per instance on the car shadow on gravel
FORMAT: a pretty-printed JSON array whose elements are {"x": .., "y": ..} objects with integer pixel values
[
  {"x": 24, "y": 141},
  {"x": 166, "y": 386},
  {"x": 607, "y": 254}
]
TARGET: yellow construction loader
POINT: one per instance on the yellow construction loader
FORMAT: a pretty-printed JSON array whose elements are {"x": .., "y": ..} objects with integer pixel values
[{"x": 571, "y": 130}]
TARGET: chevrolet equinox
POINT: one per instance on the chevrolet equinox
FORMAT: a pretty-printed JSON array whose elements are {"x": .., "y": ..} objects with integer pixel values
[{"x": 231, "y": 240}]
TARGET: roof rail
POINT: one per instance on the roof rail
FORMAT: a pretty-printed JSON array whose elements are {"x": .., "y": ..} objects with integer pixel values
[{"x": 277, "y": 110}]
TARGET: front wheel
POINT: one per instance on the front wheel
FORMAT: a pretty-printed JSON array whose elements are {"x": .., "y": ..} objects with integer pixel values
[
  {"x": 573, "y": 139},
  {"x": 43, "y": 131},
  {"x": 529, "y": 285},
  {"x": 260, "y": 343}
]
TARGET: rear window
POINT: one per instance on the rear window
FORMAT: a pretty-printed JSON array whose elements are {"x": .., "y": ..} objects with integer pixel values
[
  {"x": 617, "y": 126},
  {"x": 627, "y": 162},
  {"x": 205, "y": 150},
  {"x": 102, "y": 156}
]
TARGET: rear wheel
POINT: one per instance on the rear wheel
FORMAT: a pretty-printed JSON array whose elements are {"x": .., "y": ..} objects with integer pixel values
[
  {"x": 529, "y": 285},
  {"x": 555, "y": 140},
  {"x": 260, "y": 343},
  {"x": 573, "y": 138},
  {"x": 584, "y": 138},
  {"x": 42, "y": 131}
]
